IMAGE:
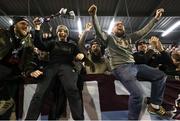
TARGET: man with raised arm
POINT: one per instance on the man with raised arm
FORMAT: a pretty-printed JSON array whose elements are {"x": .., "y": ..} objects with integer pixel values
[{"x": 124, "y": 69}]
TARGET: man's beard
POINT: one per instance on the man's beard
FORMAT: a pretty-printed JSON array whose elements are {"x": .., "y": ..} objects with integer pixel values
[
  {"x": 96, "y": 58},
  {"x": 119, "y": 34},
  {"x": 21, "y": 33}
]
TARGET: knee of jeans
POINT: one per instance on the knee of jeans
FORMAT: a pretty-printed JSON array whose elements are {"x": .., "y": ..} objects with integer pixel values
[
  {"x": 164, "y": 78},
  {"x": 138, "y": 96},
  {"x": 161, "y": 76}
]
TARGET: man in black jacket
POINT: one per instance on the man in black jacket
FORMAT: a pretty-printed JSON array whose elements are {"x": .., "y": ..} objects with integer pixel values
[
  {"x": 156, "y": 56},
  {"x": 16, "y": 49},
  {"x": 60, "y": 66}
]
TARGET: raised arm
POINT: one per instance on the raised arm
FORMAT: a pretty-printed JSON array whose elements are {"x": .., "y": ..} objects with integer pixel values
[
  {"x": 38, "y": 40},
  {"x": 139, "y": 34},
  {"x": 164, "y": 57},
  {"x": 81, "y": 42},
  {"x": 92, "y": 11}
]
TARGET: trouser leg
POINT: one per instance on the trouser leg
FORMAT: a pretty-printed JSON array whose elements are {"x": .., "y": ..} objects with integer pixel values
[{"x": 68, "y": 77}]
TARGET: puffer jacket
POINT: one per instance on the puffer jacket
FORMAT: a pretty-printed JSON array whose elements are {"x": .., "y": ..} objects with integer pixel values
[{"x": 7, "y": 43}]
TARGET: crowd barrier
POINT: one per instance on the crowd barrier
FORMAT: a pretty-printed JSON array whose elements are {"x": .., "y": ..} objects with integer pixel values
[{"x": 105, "y": 98}]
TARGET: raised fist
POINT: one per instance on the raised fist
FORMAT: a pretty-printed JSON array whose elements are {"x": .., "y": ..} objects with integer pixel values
[
  {"x": 88, "y": 26},
  {"x": 159, "y": 13},
  {"x": 156, "y": 43},
  {"x": 92, "y": 10}
]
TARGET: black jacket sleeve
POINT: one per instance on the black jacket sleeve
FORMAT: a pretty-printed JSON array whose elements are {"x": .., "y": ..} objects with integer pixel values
[
  {"x": 40, "y": 44},
  {"x": 27, "y": 64}
]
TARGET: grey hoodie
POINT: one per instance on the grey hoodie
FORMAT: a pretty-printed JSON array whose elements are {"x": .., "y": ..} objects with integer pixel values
[{"x": 119, "y": 47}]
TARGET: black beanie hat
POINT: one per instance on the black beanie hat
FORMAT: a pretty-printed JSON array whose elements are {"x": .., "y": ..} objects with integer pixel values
[
  {"x": 17, "y": 19},
  {"x": 98, "y": 41},
  {"x": 138, "y": 42}
]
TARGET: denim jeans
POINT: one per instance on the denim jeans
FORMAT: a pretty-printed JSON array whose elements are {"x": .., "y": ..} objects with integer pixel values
[{"x": 128, "y": 75}]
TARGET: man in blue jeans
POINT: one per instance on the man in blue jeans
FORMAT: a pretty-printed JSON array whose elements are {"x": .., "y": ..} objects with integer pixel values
[{"x": 124, "y": 69}]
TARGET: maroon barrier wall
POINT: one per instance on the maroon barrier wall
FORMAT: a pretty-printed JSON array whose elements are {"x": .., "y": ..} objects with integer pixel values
[{"x": 109, "y": 101}]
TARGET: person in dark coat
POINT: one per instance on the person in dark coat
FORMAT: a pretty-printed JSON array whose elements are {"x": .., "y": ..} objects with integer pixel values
[
  {"x": 156, "y": 56},
  {"x": 16, "y": 51},
  {"x": 61, "y": 67}
]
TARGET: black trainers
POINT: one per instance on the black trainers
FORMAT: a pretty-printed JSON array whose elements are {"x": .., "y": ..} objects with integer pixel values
[
  {"x": 160, "y": 112},
  {"x": 6, "y": 105}
]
